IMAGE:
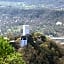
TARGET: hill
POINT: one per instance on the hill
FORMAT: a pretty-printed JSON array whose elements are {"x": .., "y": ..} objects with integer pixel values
[
  {"x": 42, "y": 50},
  {"x": 46, "y": 3}
]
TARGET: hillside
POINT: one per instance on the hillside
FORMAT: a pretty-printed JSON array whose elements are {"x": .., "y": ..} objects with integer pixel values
[
  {"x": 42, "y": 19},
  {"x": 39, "y": 50},
  {"x": 42, "y": 50},
  {"x": 52, "y": 4}
]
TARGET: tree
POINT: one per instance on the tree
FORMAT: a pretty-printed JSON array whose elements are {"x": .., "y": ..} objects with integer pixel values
[{"x": 8, "y": 55}]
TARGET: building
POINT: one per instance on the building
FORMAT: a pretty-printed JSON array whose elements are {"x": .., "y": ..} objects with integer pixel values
[
  {"x": 58, "y": 23},
  {"x": 26, "y": 30}
]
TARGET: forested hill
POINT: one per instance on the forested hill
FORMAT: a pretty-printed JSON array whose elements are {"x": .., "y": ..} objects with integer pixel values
[{"x": 49, "y": 3}]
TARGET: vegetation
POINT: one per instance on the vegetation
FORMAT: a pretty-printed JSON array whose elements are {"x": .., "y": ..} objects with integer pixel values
[
  {"x": 42, "y": 50},
  {"x": 8, "y": 55}
]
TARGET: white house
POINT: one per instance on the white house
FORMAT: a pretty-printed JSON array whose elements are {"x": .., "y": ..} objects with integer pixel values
[{"x": 58, "y": 23}]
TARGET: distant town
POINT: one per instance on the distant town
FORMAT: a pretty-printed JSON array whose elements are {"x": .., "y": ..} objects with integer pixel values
[{"x": 45, "y": 20}]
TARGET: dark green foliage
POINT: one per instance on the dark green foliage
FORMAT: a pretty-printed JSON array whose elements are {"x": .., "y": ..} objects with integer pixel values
[{"x": 47, "y": 52}]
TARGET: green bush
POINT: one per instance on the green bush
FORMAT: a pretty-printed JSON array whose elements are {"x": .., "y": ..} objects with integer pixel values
[{"x": 8, "y": 55}]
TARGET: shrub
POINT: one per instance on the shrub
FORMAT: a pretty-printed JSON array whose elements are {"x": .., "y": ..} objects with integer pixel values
[
  {"x": 47, "y": 52},
  {"x": 8, "y": 55}
]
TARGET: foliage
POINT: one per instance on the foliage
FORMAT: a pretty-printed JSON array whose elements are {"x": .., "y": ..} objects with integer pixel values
[
  {"x": 46, "y": 52},
  {"x": 8, "y": 55}
]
